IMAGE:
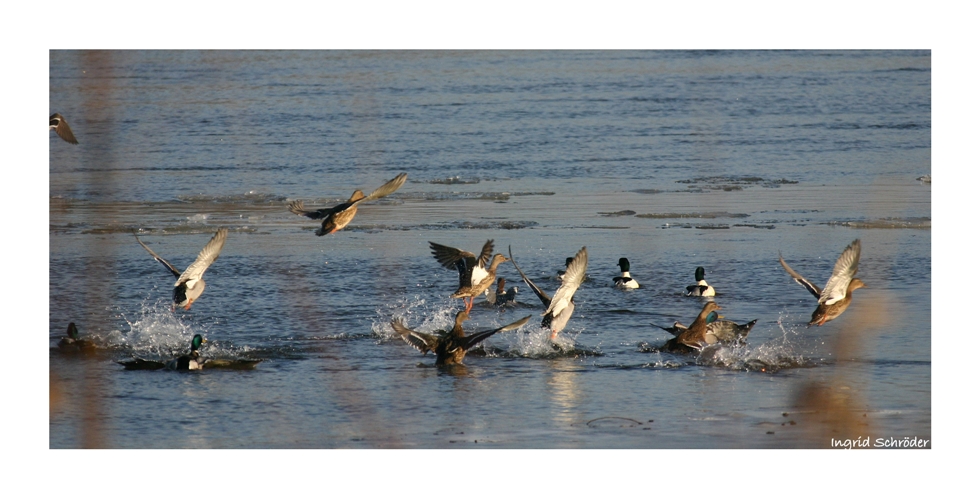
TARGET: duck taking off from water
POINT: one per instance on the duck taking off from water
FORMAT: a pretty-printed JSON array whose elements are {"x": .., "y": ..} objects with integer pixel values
[
  {"x": 475, "y": 274},
  {"x": 701, "y": 288},
  {"x": 723, "y": 331},
  {"x": 57, "y": 123},
  {"x": 190, "y": 361},
  {"x": 449, "y": 346},
  {"x": 339, "y": 216},
  {"x": 835, "y": 297},
  {"x": 561, "y": 306},
  {"x": 190, "y": 283},
  {"x": 625, "y": 281}
]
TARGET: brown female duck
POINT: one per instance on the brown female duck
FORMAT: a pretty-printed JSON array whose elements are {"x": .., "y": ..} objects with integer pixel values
[
  {"x": 723, "y": 331},
  {"x": 337, "y": 217},
  {"x": 475, "y": 274},
  {"x": 836, "y": 295},
  {"x": 449, "y": 347},
  {"x": 57, "y": 123}
]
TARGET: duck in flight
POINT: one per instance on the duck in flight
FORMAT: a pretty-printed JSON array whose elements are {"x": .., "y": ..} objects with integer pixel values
[
  {"x": 337, "y": 217},
  {"x": 475, "y": 274},
  {"x": 190, "y": 282},
  {"x": 561, "y": 306},
  {"x": 450, "y": 346},
  {"x": 835, "y": 297},
  {"x": 57, "y": 123}
]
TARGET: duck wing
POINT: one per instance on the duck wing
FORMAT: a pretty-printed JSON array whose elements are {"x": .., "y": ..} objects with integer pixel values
[
  {"x": 675, "y": 330},
  {"x": 799, "y": 279},
  {"x": 474, "y": 339},
  {"x": 542, "y": 295},
  {"x": 462, "y": 261},
  {"x": 844, "y": 270},
  {"x": 158, "y": 258},
  {"x": 418, "y": 340},
  {"x": 141, "y": 364},
  {"x": 574, "y": 275},
  {"x": 727, "y": 331},
  {"x": 384, "y": 190},
  {"x": 60, "y": 126},
  {"x": 297, "y": 207},
  {"x": 204, "y": 258}
]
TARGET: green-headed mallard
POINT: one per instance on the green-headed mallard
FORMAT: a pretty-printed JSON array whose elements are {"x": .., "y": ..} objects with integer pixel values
[
  {"x": 73, "y": 340},
  {"x": 475, "y": 274},
  {"x": 337, "y": 217},
  {"x": 625, "y": 281},
  {"x": 701, "y": 288},
  {"x": 190, "y": 283},
  {"x": 190, "y": 361},
  {"x": 836, "y": 295},
  {"x": 57, "y": 123},
  {"x": 561, "y": 306},
  {"x": 449, "y": 346}
]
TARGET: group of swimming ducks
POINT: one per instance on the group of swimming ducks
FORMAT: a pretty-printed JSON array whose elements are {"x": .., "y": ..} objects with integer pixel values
[{"x": 477, "y": 274}]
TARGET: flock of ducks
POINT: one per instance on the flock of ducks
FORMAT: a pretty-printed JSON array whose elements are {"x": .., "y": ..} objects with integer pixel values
[{"x": 477, "y": 273}]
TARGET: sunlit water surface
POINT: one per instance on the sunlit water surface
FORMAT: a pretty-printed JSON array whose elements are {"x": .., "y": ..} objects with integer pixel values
[{"x": 672, "y": 159}]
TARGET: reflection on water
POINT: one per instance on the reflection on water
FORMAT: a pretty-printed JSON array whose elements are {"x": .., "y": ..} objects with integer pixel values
[{"x": 674, "y": 160}]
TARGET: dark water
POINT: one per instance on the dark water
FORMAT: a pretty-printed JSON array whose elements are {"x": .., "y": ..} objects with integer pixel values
[{"x": 672, "y": 159}]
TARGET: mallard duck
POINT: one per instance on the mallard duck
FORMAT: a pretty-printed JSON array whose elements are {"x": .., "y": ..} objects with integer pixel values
[
  {"x": 73, "y": 341},
  {"x": 449, "y": 346},
  {"x": 339, "y": 216},
  {"x": 561, "y": 306},
  {"x": 190, "y": 283},
  {"x": 723, "y": 331},
  {"x": 561, "y": 273},
  {"x": 475, "y": 274},
  {"x": 624, "y": 281},
  {"x": 701, "y": 288},
  {"x": 57, "y": 123},
  {"x": 236, "y": 364},
  {"x": 705, "y": 330},
  {"x": 836, "y": 295},
  {"x": 190, "y": 361},
  {"x": 503, "y": 296}
]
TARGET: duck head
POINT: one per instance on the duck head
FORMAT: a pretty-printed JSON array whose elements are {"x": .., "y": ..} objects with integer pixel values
[
  {"x": 197, "y": 341},
  {"x": 856, "y": 283},
  {"x": 497, "y": 259},
  {"x": 72, "y": 331},
  {"x": 699, "y": 273},
  {"x": 624, "y": 264}
]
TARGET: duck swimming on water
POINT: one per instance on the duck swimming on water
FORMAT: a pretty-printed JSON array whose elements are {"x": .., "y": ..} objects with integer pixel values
[
  {"x": 190, "y": 361},
  {"x": 625, "y": 281},
  {"x": 701, "y": 288}
]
